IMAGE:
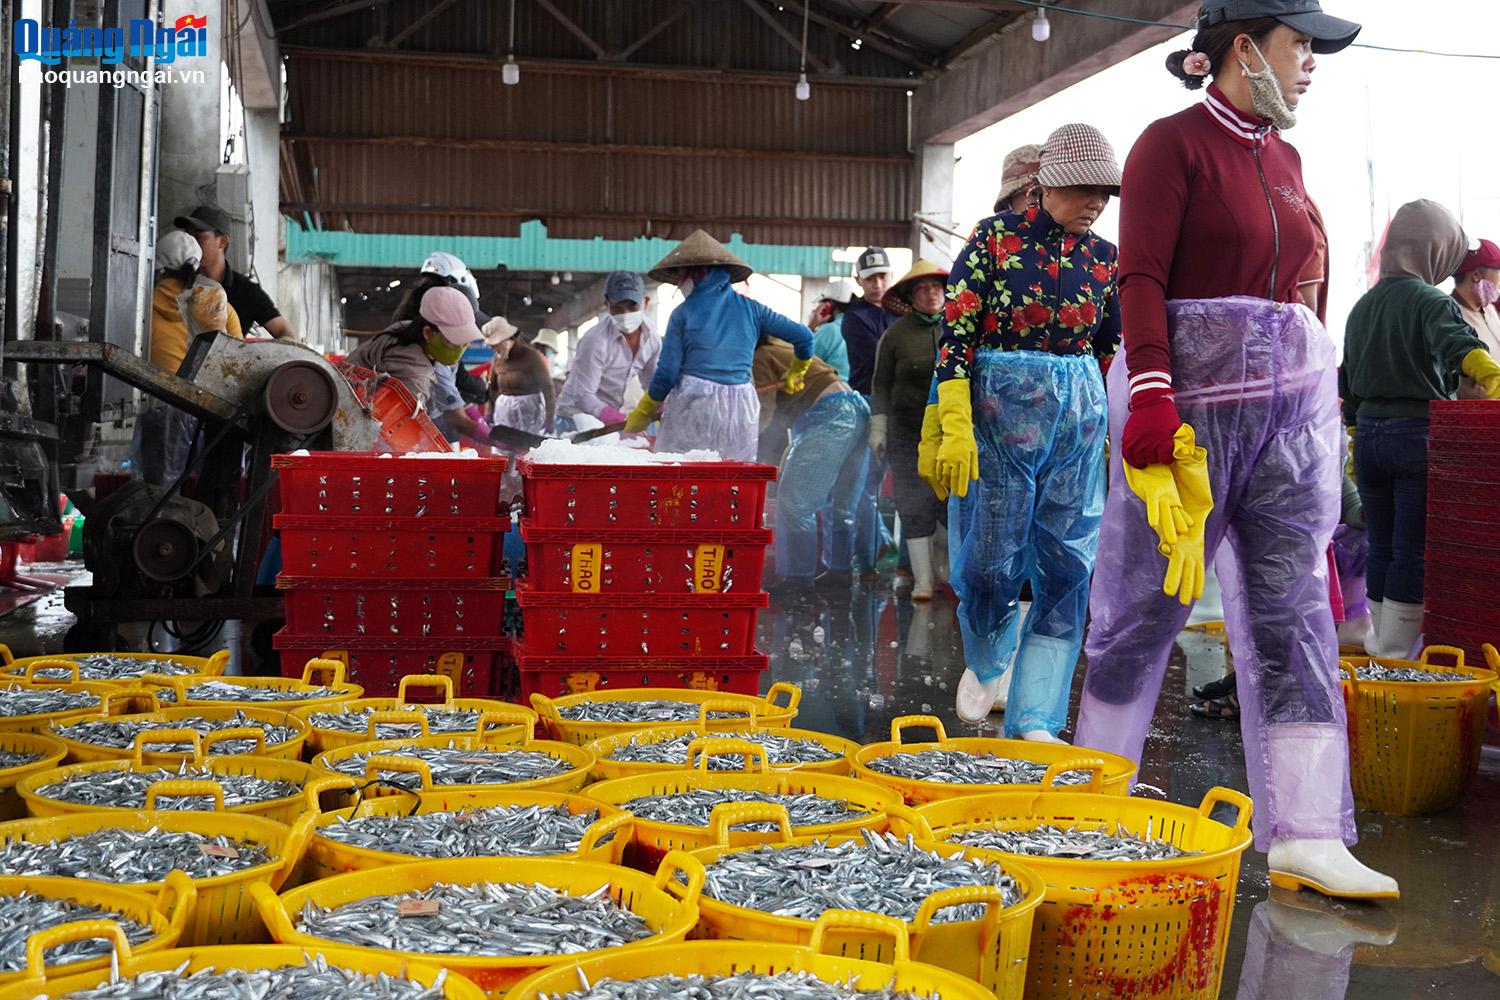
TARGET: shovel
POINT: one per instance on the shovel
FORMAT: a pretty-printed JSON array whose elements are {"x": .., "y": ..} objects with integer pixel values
[{"x": 514, "y": 438}]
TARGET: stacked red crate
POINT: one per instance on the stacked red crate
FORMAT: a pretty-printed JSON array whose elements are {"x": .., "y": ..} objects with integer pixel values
[
  {"x": 642, "y": 576},
  {"x": 394, "y": 565},
  {"x": 1463, "y": 526}
]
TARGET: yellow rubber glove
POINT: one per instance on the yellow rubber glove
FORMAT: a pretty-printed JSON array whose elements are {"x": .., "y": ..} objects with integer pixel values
[
  {"x": 1480, "y": 367},
  {"x": 795, "y": 382},
  {"x": 1158, "y": 490},
  {"x": 958, "y": 455},
  {"x": 1185, "y": 562},
  {"x": 640, "y": 418},
  {"x": 927, "y": 451}
]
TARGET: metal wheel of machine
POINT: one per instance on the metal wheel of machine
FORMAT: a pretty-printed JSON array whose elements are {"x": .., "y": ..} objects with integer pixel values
[
  {"x": 165, "y": 550},
  {"x": 300, "y": 397}
]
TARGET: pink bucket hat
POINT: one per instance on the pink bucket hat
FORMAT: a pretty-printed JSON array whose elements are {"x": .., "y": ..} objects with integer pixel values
[{"x": 448, "y": 309}]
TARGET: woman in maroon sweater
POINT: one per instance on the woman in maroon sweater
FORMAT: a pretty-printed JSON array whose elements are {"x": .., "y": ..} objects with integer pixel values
[{"x": 1215, "y": 235}]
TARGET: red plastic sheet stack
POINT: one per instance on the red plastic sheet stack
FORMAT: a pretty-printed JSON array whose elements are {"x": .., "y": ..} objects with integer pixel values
[{"x": 1463, "y": 526}]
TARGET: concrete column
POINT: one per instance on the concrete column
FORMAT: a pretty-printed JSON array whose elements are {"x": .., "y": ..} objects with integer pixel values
[
  {"x": 263, "y": 138},
  {"x": 190, "y": 143},
  {"x": 934, "y": 166}
]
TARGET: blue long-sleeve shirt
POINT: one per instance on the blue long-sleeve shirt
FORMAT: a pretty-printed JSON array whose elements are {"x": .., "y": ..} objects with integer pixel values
[
  {"x": 828, "y": 344},
  {"x": 713, "y": 335}
]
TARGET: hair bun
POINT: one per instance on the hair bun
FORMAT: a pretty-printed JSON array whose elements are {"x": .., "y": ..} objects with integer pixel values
[{"x": 1175, "y": 66}]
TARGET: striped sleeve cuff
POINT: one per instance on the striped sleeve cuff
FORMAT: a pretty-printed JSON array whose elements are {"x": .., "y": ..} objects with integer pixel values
[{"x": 1152, "y": 381}]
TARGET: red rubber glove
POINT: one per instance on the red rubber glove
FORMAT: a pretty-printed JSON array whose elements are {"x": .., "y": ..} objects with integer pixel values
[
  {"x": 1148, "y": 436},
  {"x": 610, "y": 415}
]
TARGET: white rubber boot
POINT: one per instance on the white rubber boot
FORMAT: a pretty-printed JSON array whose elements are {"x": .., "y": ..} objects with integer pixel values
[
  {"x": 1003, "y": 695},
  {"x": 975, "y": 697},
  {"x": 1326, "y": 866},
  {"x": 1400, "y": 631},
  {"x": 920, "y": 550},
  {"x": 1354, "y": 631},
  {"x": 1372, "y": 638},
  {"x": 1325, "y": 931},
  {"x": 1042, "y": 736}
]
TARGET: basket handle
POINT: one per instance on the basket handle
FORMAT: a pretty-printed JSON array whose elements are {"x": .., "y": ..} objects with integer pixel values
[
  {"x": 1351, "y": 675},
  {"x": 1093, "y": 765},
  {"x": 914, "y": 722},
  {"x": 793, "y": 695},
  {"x": 6, "y": 659},
  {"x": 546, "y": 708},
  {"x": 1453, "y": 651},
  {"x": 107, "y": 701},
  {"x": 153, "y": 736},
  {"x": 312, "y": 792},
  {"x": 442, "y": 681},
  {"x": 185, "y": 788},
  {"x": 217, "y": 664},
  {"x": 394, "y": 716},
  {"x": 704, "y": 748},
  {"x": 914, "y": 823},
  {"x": 405, "y": 765},
  {"x": 682, "y": 861},
  {"x": 177, "y": 899},
  {"x": 177, "y": 684},
  {"x": 511, "y": 715},
  {"x": 38, "y": 944},
  {"x": 739, "y": 709},
  {"x": 238, "y": 733},
  {"x": 319, "y": 667},
  {"x": 601, "y": 828},
  {"x": 1228, "y": 796},
  {"x": 34, "y": 668},
  {"x": 993, "y": 898},
  {"x": 727, "y": 814},
  {"x": 858, "y": 920},
  {"x": 1491, "y": 655},
  {"x": 272, "y": 913},
  {"x": 294, "y": 847}
]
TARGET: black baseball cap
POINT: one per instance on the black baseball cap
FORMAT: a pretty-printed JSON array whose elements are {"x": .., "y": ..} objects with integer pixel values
[
  {"x": 1329, "y": 33},
  {"x": 873, "y": 261},
  {"x": 203, "y": 219}
]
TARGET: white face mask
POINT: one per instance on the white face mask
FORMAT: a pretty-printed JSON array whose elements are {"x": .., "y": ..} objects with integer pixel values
[
  {"x": 629, "y": 322},
  {"x": 1266, "y": 95}
]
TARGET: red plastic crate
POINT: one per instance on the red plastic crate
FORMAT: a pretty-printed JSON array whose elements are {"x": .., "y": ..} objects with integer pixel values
[
  {"x": 1463, "y": 531},
  {"x": 377, "y": 664},
  {"x": 420, "y": 608},
  {"x": 560, "y": 675},
  {"x": 1474, "y": 501},
  {"x": 342, "y": 483},
  {"x": 640, "y": 624},
  {"x": 1442, "y": 630},
  {"x": 718, "y": 495},
  {"x": 644, "y": 562},
  {"x": 386, "y": 548},
  {"x": 1463, "y": 413}
]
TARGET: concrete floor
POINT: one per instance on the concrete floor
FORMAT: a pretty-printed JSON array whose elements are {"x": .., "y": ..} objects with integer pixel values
[{"x": 866, "y": 658}]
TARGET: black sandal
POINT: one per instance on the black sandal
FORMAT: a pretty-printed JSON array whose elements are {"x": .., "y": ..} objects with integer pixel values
[{"x": 1227, "y": 708}]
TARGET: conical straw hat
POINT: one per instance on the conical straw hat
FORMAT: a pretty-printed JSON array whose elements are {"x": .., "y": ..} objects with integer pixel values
[{"x": 700, "y": 250}]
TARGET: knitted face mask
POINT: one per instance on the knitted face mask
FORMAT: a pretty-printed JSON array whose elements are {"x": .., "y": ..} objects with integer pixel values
[
  {"x": 1486, "y": 291},
  {"x": 1266, "y": 96}
]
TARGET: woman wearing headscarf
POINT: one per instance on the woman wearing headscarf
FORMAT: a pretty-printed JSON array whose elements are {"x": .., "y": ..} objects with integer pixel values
[
  {"x": 1030, "y": 313},
  {"x": 1405, "y": 345},
  {"x": 702, "y": 384},
  {"x": 521, "y": 383},
  {"x": 1231, "y": 433},
  {"x": 904, "y": 362}
]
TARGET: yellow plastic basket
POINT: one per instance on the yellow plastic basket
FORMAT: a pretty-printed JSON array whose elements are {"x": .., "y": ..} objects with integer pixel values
[
  {"x": 327, "y": 857},
  {"x": 655, "y": 839},
  {"x": 1112, "y": 772},
  {"x": 606, "y": 769},
  {"x": 282, "y": 810},
  {"x": 389, "y": 758},
  {"x": 669, "y": 915},
  {"x": 202, "y": 743},
  {"x": 166, "y": 913},
  {"x": 113, "y": 700},
  {"x": 320, "y": 739},
  {"x": 316, "y": 674},
  {"x": 65, "y": 665},
  {"x": 1148, "y": 930},
  {"x": 992, "y": 951},
  {"x": 821, "y": 958},
  {"x": 1414, "y": 746},
  {"x": 763, "y": 711},
  {"x": 224, "y": 914},
  {"x": 52, "y": 751},
  {"x": 264, "y": 956}
]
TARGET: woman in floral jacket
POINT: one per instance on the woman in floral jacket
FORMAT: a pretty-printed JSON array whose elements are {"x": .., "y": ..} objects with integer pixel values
[{"x": 1032, "y": 313}]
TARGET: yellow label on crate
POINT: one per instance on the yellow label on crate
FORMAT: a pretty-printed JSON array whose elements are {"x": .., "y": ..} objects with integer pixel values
[
  {"x": 588, "y": 567},
  {"x": 708, "y": 569},
  {"x": 700, "y": 681},
  {"x": 581, "y": 681},
  {"x": 451, "y": 666}
]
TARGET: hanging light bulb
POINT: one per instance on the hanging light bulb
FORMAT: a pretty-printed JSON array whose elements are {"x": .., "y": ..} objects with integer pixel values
[
  {"x": 567, "y": 275},
  {"x": 804, "y": 89},
  {"x": 556, "y": 279},
  {"x": 510, "y": 74},
  {"x": 1041, "y": 28}
]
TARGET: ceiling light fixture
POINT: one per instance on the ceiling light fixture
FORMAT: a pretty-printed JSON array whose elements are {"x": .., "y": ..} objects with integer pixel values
[
  {"x": 1041, "y": 28},
  {"x": 510, "y": 74},
  {"x": 804, "y": 89}
]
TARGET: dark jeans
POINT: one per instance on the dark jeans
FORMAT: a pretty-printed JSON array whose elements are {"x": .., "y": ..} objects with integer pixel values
[{"x": 1390, "y": 466}]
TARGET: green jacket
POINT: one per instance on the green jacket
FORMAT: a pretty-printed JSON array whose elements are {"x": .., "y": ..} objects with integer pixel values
[{"x": 1403, "y": 346}]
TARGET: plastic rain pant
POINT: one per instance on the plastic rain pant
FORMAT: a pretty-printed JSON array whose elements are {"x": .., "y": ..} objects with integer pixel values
[
  {"x": 1276, "y": 968},
  {"x": 703, "y": 414},
  {"x": 1033, "y": 514},
  {"x": 825, "y": 465},
  {"x": 1256, "y": 382},
  {"x": 870, "y": 533},
  {"x": 1351, "y": 549},
  {"x": 524, "y": 413},
  {"x": 163, "y": 442}
]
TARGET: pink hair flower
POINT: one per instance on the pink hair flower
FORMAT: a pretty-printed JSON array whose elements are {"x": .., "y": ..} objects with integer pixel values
[{"x": 1196, "y": 64}]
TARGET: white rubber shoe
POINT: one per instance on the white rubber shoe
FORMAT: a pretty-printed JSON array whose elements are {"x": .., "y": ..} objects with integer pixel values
[
  {"x": 1002, "y": 696},
  {"x": 1042, "y": 736},
  {"x": 1325, "y": 931},
  {"x": 1354, "y": 631},
  {"x": 1399, "y": 634},
  {"x": 975, "y": 697},
  {"x": 1326, "y": 866},
  {"x": 920, "y": 550},
  {"x": 1372, "y": 639}
]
